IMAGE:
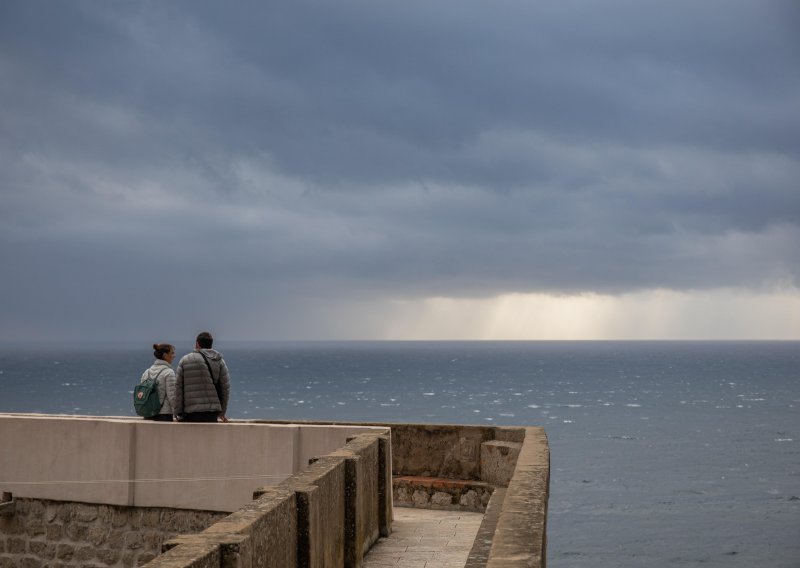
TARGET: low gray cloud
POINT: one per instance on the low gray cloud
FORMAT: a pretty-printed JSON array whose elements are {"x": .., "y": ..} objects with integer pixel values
[{"x": 267, "y": 163}]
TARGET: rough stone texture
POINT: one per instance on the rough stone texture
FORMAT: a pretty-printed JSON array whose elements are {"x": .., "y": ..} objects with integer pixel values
[
  {"x": 498, "y": 460},
  {"x": 429, "y": 450},
  {"x": 320, "y": 512},
  {"x": 520, "y": 539},
  {"x": 55, "y": 533},
  {"x": 479, "y": 554},
  {"x": 362, "y": 500},
  {"x": 202, "y": 554},
  {"x": 259, "y": 535},
  {"x": 385, "y": 493},
  {"x": 439, "y": 493}
]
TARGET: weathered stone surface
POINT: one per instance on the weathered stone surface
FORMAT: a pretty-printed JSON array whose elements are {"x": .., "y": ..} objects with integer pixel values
[
  {"x": 116, "y": 539},
  {"x": 150, "y": 518},
  {"x": 65, "y": 551},
  {"x": 109, "y": 556},
  {"x": 35, "y": 528},
  {"x": 520, "y": 539},
  {"x": 438, "y": 450},
  {"x": 441, "y": 499},
  {"x": 76, "y": 531},
  {"x": 410, "y": 491},
  {"x": 421, "y": 498},
  {"x": 97, "y": 535},
  {"x": 15, "y": 545},
  {"x": 133, "y": 540},
  {"x": 51, "y": 512},
  {"x": 54, "y": 532},
  {"x": 120, "y": 517},
  {"x": 85, "y": 513},
  {"x": 469, "y": 500},
  {"x": 498, "y": 460},
  {"x": 84, "y": 553},
  {"x": 46, "y": 550}
]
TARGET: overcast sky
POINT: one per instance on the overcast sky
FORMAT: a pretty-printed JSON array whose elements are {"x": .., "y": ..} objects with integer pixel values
[{"x": 357, "y": 170}]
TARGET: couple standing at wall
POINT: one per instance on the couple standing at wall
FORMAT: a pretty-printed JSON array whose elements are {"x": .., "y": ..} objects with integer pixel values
[{"x": 198, "y": 390}]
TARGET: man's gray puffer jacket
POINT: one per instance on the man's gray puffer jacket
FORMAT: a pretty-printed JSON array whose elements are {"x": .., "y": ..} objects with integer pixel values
[{"x": 194, "y": 391}]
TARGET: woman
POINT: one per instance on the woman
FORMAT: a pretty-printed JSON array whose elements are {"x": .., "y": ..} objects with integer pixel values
[{"x": 161, "y": 371}]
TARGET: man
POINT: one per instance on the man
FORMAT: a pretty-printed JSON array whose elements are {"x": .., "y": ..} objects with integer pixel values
[{"x": 202, "y": 384}]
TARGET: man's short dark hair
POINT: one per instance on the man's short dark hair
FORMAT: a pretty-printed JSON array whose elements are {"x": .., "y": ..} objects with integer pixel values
[{"x": 204, "y": 340}]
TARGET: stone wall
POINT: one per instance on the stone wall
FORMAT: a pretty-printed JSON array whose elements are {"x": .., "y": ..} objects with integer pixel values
[
  {"x": 43, "y": 533},
  {"x": 328, "y": 515}
]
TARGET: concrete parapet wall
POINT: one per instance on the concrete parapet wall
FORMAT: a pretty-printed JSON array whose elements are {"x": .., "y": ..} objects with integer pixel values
[{"x": 118, "y": 461}]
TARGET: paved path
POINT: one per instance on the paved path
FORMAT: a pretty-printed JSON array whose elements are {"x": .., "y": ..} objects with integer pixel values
[{"x": 422, "y": 538}]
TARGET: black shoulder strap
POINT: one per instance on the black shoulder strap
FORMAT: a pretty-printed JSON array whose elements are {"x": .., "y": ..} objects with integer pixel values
[
  {"x": 209, "y": 366},
  {"x": 216, "y": 384}
]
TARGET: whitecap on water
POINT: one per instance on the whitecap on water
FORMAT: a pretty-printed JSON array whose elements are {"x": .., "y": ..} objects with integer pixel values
[
  {"x": 784, "y": 439},
  {"x": 533, "y": 406},
  {"x": 429, "y": 394},
  {"x": 634, "y": 405}
]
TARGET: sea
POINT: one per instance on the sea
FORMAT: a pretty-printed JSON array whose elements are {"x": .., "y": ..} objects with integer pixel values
[{"x": 662, "y": 453}]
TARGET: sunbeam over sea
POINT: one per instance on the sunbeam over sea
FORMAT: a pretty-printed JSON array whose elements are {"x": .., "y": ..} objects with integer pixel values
[{"x": 663, "y": 453}]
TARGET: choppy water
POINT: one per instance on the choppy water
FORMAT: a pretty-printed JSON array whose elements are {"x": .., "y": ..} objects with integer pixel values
[{"x": 663, "y": 453}]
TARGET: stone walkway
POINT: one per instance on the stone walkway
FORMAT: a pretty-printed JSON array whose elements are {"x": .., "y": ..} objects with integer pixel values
[{"x": 423, "y": 538}]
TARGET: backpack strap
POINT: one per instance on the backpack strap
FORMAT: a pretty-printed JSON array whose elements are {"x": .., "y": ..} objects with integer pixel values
[
  {"x": 213, "y": 382},
  {"x": 157, "y": 374}
]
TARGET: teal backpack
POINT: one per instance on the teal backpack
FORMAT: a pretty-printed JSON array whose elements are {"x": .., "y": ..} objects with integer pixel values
[{"x": 145, "y": 397}]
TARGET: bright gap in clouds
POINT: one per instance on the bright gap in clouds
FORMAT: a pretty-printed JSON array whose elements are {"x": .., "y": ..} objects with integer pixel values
[{"x": 648, "y": 315}]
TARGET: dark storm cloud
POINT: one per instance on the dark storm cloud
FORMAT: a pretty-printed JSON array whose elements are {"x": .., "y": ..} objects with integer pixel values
[{"x": 269, "y": 153}]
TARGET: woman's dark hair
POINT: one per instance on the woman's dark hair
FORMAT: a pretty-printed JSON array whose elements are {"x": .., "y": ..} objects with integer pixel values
[
  {"x": 161, "y": 349},
  {"x": 204, "y": 340}
]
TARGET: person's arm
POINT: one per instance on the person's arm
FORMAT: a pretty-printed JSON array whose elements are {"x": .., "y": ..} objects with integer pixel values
[
  {"x": 225, "y": 388},
  {"x": 161, "y": 386},
  {"x": 170, "y": 382},
  {"x": 177, "y": 409}
]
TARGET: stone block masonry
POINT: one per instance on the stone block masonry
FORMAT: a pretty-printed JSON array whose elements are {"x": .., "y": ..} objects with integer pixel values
[
  {"x": 44, "y": 533},
  {"x": 327, "y": 514}
]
